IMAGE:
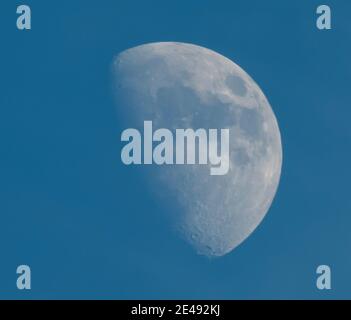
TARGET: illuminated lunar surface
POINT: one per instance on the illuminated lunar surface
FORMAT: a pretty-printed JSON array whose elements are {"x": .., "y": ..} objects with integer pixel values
[{"x": 181, "y": 86}]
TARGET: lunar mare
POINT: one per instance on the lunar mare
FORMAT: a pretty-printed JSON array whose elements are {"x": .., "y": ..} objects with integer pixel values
[{"x": 181, "y": 86}]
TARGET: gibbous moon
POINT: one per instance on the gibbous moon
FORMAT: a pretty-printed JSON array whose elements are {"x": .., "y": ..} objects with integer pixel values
[{"x": 182, "y": 86}]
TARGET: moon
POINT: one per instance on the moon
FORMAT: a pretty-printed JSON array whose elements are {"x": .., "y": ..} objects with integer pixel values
[{"x": 180, "y": 85}]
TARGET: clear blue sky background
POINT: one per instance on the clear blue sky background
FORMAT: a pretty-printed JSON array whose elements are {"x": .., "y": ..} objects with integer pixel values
[{"x": 87, "y": 226}]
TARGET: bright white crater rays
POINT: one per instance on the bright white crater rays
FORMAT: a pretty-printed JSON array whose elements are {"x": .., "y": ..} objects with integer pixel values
[{"x": 184, "y": 86}]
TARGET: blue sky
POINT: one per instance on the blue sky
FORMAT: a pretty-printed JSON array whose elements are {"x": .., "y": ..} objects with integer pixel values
[{"x": 86, "y": 225}]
